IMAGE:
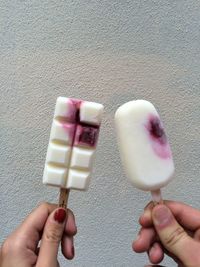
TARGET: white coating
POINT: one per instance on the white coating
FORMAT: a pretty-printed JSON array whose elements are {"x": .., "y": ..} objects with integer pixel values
[
  {"x": 67, "y": 165},
  {"x": 145, "y": 169}
]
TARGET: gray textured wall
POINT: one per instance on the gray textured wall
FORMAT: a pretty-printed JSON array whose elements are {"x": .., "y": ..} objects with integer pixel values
[{"x": 109, "y": 52}]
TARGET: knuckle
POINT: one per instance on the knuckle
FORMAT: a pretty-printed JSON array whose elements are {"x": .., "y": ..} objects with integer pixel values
[
  {"x": 46, "y": 206},
  {"x": 43, "y": 205},
  {"x": 5, "y": 247},
  {"x": 53, "y": 235},
  {"x": 176, "y": 235},
  {"x": 10, "y": 246}
]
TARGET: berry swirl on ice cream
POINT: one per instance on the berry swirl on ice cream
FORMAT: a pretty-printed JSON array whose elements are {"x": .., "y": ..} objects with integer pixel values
[{"x": 158, "y": 137}]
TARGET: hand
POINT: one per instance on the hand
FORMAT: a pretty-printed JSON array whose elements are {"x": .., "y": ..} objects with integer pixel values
[
  {"x": 172, "y": 228},
  {"x": 48, "y": 224}
]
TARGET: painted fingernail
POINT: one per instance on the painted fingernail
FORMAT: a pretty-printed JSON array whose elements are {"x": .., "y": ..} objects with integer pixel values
[{"x": 60, "y": 215}]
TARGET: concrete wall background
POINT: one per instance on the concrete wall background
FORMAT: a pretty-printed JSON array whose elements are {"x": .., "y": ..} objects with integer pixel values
[{"x": 109, "y": 52}]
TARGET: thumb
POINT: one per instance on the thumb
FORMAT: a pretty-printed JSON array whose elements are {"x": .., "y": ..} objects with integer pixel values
[
  {"x": 173, "y": 236},
  {"x": 52, "y": 235}
]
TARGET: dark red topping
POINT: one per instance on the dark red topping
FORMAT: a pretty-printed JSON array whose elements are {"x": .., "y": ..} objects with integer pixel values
[
  {"x": 77, "y": 116},
  {"x": 75, "y": 110},
  {"x": 88, "y": 135},
  {"x": 157, "y": 131},
  {"x": 157, "y": 136},
  {"x": 85, "y": 134}
]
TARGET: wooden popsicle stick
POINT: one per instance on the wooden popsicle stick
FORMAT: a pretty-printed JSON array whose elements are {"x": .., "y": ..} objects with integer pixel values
[{"x": 63, "y": 198}]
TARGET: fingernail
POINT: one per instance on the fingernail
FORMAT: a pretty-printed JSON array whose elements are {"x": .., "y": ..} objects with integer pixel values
[
  {"x": 162, "y": 215},
  {"x": 73, "y": 251},
  {"x": 146, "y": 213},
  {"x": 60, "y": 215},
  {"x": 149, "y": 205}
]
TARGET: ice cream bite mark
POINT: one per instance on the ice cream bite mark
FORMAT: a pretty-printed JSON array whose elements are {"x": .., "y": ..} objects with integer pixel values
[{"x": 158, "y": 137}]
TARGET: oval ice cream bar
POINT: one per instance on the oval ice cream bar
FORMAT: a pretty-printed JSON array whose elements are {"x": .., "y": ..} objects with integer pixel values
[
  {"x": 72, "y": 144},
  {"x": 143, "y": 145}
]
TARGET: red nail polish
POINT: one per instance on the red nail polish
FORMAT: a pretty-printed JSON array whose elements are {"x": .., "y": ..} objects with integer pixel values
[{"x": 60, "y": 215}]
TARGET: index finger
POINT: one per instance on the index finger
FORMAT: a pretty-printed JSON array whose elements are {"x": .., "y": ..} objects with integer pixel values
[
  {"x": 186, "y": 215},
  {"x": 37, "y": 218}
]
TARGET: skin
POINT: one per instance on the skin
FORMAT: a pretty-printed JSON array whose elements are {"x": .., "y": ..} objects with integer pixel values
[
  {"x": 176, "y": 235},
  {"x": 22, "y": 248}
]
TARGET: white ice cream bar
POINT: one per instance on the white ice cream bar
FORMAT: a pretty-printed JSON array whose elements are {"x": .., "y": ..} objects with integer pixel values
[
  {"x": 72, "y": 144},
  {"x": 144, "y": 149}
]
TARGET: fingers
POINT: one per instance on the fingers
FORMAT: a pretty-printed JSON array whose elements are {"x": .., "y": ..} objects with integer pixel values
[
  {"x": 37, "y": 219},
  {"x": 156, "y": 253},
  {"x": 144, "y": 240},
  {"x": 68, "y": 240},
  {"x": 70, "y": 227},
  {"x": 32, "y": 223},
  {"x": 187, "y": 216},
  {"x": 68, "y": 247},
  {"x": 51, "y": 238},
  {"x": 29, "y": 232},
  {"x": 173, "y": 236}
]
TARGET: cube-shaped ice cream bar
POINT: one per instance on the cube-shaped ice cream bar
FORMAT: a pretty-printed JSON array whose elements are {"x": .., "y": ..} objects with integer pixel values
[{"x": 72, "y": 143}]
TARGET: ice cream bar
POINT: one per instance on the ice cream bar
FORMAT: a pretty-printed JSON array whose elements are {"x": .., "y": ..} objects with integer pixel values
[
  {"x": 143, "y": 145},
  {"x": 72, "y": 144}
]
